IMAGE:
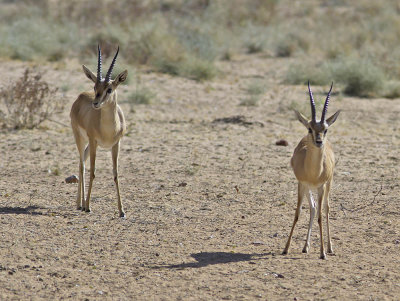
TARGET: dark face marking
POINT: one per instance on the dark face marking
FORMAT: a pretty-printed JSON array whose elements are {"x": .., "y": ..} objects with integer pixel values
[
  {"x": 318, "y": 131},
  {"x": 100, "y": 96}
]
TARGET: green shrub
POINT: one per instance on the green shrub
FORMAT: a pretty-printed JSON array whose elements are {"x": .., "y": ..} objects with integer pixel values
[
  {"x": 141, "y": 95},
  {"x": 301, "y": 73},
  {"x": 256, "y": 88},
  {"x": 198, "y": 69},
  {"x": 360, "y": 77},
  {"x": 30, "y": 39},
  {"x": 250, "y": 101},
  {"x": 392, "y": 89}
]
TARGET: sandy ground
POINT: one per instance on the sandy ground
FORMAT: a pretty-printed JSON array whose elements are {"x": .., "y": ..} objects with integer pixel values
[{"x": 209, "y": 205}]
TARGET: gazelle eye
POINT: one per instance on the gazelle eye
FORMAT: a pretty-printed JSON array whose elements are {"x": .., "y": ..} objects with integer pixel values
[
  {"x": 109, "y": 90},
  {"x": 309, "y": 130}
]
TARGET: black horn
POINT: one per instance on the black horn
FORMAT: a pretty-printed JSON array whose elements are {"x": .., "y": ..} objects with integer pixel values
[
  {"x": 325, "y": 110},
  {"x": 313, "y": 118},
  {"x": 108, "y": 76},
  {"x": 99, "y": 64}
]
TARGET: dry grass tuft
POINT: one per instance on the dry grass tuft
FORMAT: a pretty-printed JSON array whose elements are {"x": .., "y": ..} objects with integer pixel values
[{"x": 28, "y": 102}]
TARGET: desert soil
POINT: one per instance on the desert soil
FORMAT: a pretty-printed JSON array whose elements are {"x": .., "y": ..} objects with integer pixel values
[{"x": 209, "y": 204}]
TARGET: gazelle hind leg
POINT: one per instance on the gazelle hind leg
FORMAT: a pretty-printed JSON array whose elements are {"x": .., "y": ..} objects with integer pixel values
[
  {"x": 85, "y": 156},
  {"x": 321, "y": 192},
  {"x": 326, "y": 196},
  {"x": 80, "y": 143},
  {"x": 312, "y": 215},
  {"x": 300, "y": 196},
  {"x": 115, "y": 152}
]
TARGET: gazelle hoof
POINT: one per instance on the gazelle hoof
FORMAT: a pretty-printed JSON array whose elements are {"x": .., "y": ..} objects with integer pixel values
[
  {"x": 285, "y": 252},
  {"x": 87, "y": 210},
  {"x": 305, "y": 249},
  {"x": 122, "y": 214},
  {"x": 323, "y": 256}
]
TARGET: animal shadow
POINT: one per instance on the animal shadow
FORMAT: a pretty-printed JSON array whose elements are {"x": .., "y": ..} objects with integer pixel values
[
  {"x": 204, "y": 259},
  {"x": 21, "y": 210}
]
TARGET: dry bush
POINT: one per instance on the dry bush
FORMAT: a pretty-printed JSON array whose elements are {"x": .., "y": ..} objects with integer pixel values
[{"x": 28, "y": 102}]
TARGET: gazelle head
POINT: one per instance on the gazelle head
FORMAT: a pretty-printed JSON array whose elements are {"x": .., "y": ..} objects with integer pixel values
[
  {"x": 104, "y": 88},
  {"x": 317, "y": 129}
]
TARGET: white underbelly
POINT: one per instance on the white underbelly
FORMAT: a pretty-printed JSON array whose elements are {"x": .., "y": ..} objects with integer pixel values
[
  {"x": 311, "y": 186},
  {"x": 106, "y": 144}
]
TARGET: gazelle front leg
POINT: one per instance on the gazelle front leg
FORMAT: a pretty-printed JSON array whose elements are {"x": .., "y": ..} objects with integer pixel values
[
  {"x": 312, "y": 215},
  {"x": 326, "y": 197},
  {"x": 92, "y": 151},
  {"x": 80, "y": 199},
  {"x": 300, "y": 196},
  {"x": 321, "y": 192},
  {"x": 115, "y": 152},
  {"x": 80, "y": 202}
]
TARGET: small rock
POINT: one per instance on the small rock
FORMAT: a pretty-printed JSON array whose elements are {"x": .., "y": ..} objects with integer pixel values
[
  {"x": 72, "y": 179},
  {"x": 282, "y": 142},
  {"x": 183, "y": 184},
  {"x": 278, "y": 275}
]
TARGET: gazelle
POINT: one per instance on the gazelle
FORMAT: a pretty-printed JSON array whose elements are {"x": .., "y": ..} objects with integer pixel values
[
  {"x": 96, "y": 119},
  {"x": 313, "y": 162}
]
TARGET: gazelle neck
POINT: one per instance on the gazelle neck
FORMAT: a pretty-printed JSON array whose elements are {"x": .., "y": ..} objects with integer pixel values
[
  {"x": 108, "y": 112},
  {"x": 314, "y": 159}
]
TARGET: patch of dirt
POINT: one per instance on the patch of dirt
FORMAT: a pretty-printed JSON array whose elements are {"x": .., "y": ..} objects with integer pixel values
[
  {"x": 220, "y": 235},
  {"x": 238, "y": 119}
]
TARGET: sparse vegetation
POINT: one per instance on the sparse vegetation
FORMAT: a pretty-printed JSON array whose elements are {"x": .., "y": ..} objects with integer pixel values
[
  {"x": 301, "y": 73},
  {"x": 185, "y": 38},
  {"x": 392, "y": 89},
  {"x": 254, "y": 90},
  {"x": 360, "y": 77},
  {"x": 141, "y": 94},
  {"x": 28, "y": 102}
]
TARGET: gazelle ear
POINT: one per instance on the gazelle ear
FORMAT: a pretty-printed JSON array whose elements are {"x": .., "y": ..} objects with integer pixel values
[
  {"x": 301, "y": 118},
  {"x": 332, "y": 119},
  {"x": 90, "y": 75},
  {"x": 120, "y": 78}
]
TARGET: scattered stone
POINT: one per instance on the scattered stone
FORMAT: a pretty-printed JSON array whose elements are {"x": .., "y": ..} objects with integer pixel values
[
  {"x": 278, "y": 275},
  {"x": 183, "y": 184},
  {"x": 282, "y": 142},
  {"x": 72, "y": 179}
]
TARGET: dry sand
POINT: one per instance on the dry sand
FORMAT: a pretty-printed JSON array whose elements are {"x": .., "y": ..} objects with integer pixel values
[{"x": 209, "y": 205}]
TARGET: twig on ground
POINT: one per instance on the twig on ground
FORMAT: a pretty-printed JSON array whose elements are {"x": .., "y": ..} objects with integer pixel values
[
  {"x": 363, "y": 206},
  {"x": 58, "y": 122}
]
